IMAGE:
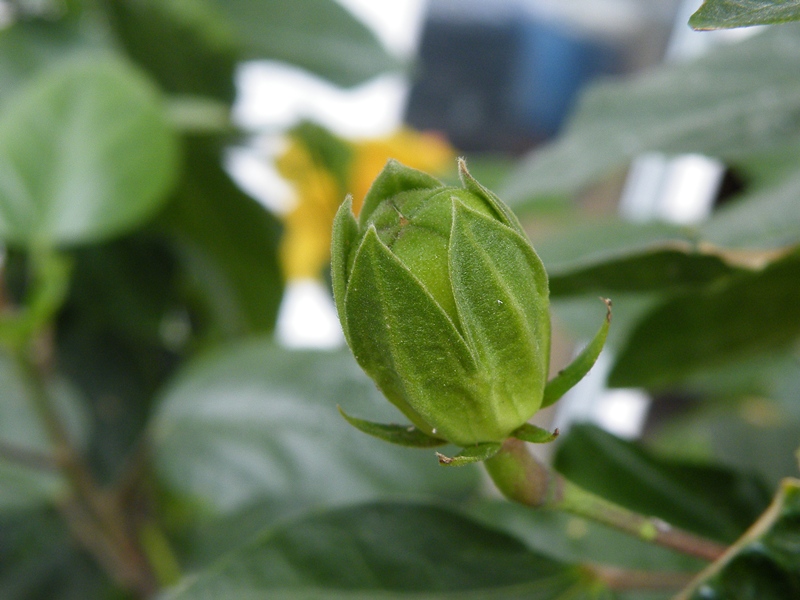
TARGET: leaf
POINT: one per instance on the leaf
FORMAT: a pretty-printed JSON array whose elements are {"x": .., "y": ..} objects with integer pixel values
[
  {"x": 85, "y": 154},
  {"x": 570, "y": 375},
  {"x": 765, "y": 218},
  {"x": 402, "y": 435},
  {"x": 178, "y": 46},
  {"x": 534, "y": 435},
  {"x": 747, "y": 314},
  {"x": 30, "y": 46},
  {"x": 603, "y": 257},
  {"x": 227, "y": 246},
  {"x": 389, "y": 551},
  {"x": 764, "y": 564},
  {"x": 737, "y": 100},
  {"x": 40, "y": 561},
  {"x": 708, "y": 500},
  {"x": 724, "y": 14},
  {"x": 318, "y": 35},
  {"x": 253, "y": 421}
]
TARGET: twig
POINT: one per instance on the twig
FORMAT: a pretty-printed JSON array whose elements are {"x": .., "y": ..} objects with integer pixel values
[
  {"x": 26, "y": 457},
  {"x": 522, "y": 478}
]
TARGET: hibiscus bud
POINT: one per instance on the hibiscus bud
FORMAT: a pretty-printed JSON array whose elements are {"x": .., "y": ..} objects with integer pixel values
[{"x": 444, "y": 303}]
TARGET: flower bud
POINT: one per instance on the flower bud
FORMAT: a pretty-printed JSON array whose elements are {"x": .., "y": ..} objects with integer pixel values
[{"x": 444, "y": 303}]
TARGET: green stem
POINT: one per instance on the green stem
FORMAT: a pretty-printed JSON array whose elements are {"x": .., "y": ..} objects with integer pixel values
[{"x": 522, "y": 478}]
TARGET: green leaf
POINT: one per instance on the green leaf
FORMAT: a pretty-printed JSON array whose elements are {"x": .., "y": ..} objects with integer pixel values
[
  {"x": 469, "y": 455},
  {"x": 767, "y": 217},
  {"x": 318, "y": 35},
  {"x": 394, "y": 179},
  {"x": 714, "y": 105},
  {"x": 388, "y": 551},
  {"x": 30, "y": 46},
  {"x": 85, "y": 154},
  {"x": 750, "y": 313},
  {"x": 343, "y": 243},
  {"x": 178, "y": 44},
  {"x": 708, "y": 500},
  {"x": 617, "y": 256},
  {"x": 39, "y": 560},
  {"x": 578, "y": 368},
  {"x": 764, "y": 564},
  {"x": 253, "y": 422},
  {"x": 534, "y": 435},
  {"x": 725, "y": 14},
  {"x": 227, "y": 245},
  {"x": 402, "y": 435}
]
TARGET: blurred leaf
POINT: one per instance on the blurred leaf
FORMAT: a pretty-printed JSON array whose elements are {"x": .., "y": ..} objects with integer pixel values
[
  {"x": 254, "y": 421},
  {"x": 84, "y": 154},
  {"x": 39, "y": 560},
  {"x": 21, "y": 428},
  {"x": 176, "y": 45},
  {"x": 767, "y": 217},
  {"x": 387, "y": 551},
  {"x": 227, "y": 246},
  {"x": 610, "y": 256},
  {"x": 765, "y": 563},
  {"x": 722, "y": 14},
  {"x": 708, "y": 500},
  {"x": 736, "y": 100},
  {"x": 30, "y": 46},
  {"x": 318, "y": 35},
  {"x": 753, "y": 434},
  {"x": 119, "y": 337},
  {"x": 750, "y": 313}
]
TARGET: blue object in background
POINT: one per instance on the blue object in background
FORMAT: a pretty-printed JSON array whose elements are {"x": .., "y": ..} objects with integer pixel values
[{"x": 504, "y": 85}]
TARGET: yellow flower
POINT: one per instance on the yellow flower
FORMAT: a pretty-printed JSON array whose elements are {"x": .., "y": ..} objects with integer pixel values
[{"x": 305, "y": 247}]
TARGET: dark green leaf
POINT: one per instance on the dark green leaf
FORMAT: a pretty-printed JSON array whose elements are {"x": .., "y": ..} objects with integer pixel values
[
  {"x": 119, "y": 337},
  {"x": 85, "y": 154},
  {"x": 765, "y": 563},
  {"x": 617, "y": 256},
  {"x": 177, "y": 45},
  {"x": 402, "y": 435},
  {"x": 388, "y": 551},
  {"x": 227, "y": 246},
  {"x": 318, "y": 35},
  {"x": 254, "y": 422},
  {"x": 708, "y": 500},
  {"x": 739, "y": 99},
  {"x": 40, "y": 561},
  {"x": 750, "y": 313},
  {"x": 570, "y": 375},
  {"x": 723, "y": 14}
]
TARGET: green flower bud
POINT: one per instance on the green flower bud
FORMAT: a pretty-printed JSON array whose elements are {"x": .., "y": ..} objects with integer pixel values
[{"x": 444, "y": 303}]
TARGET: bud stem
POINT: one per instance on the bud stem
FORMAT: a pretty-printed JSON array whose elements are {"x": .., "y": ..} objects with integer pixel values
[{"x": 522, "y": 478}]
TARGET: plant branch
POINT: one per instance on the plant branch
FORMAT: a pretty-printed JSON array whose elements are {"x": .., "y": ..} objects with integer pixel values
[
  {"x": 622, "y": 580},
  {"x": 96, "y": 518},
  {"x": 26, "y": 457},
  {"x": 522, "y": 478}
]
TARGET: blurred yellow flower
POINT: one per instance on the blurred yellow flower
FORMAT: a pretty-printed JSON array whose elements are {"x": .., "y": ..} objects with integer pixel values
[{"x": 321, "y": 185}]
